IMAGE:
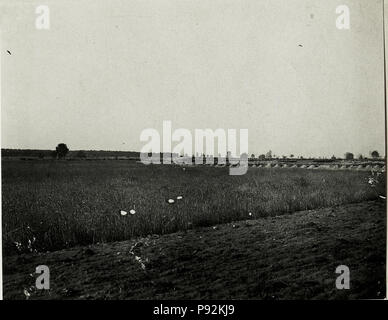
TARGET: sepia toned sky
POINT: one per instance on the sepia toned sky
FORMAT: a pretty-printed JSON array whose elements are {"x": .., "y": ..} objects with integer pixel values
[{"x": 106, "y": 70}]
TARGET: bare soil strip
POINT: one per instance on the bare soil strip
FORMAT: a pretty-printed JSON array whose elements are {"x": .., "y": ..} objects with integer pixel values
[{"x": 283, "y": 257}]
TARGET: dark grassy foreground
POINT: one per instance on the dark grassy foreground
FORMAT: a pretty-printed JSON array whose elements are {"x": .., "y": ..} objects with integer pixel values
[
  {"x": 285, "y": 257},
  {"x": 51, "y": 205}
]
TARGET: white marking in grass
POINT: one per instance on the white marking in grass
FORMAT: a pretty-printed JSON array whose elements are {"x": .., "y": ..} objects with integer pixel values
[{"x": 26, "y": 293}]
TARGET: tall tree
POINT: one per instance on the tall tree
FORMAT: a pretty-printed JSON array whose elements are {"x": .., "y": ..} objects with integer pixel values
[
  {"x": 375, "y": 154},
  {"x": 349, "y": 156},
  {"x": 62, "y": 150}
]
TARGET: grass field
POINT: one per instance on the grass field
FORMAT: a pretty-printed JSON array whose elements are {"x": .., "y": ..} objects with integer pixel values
[{"x": 51, "y": 205}]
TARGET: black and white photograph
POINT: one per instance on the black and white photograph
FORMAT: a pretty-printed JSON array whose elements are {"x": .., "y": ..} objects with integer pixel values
[{"x": 193, "y": 150}]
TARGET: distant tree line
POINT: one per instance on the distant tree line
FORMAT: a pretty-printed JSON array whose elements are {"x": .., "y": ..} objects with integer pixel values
[
  {"x": 347, "y": 156},
  {"x": 62, "y": 151}
]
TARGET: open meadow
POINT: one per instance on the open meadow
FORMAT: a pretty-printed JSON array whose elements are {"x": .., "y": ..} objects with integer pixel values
[{"x": 52, "y": 205}]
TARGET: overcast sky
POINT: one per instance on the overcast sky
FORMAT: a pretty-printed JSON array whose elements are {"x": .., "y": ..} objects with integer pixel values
[{"x": 106, "y": 70}]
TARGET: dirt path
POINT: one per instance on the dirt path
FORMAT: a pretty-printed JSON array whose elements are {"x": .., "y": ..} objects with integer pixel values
[{"x": 285, "y": 257}]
